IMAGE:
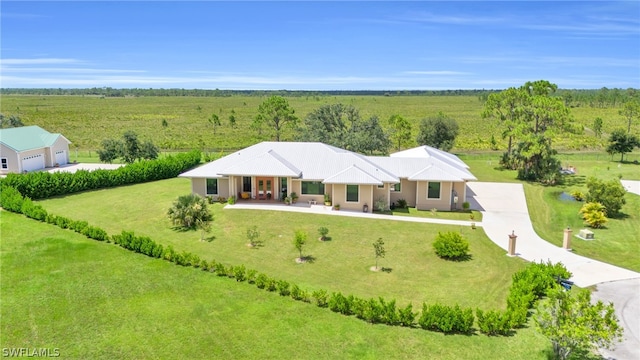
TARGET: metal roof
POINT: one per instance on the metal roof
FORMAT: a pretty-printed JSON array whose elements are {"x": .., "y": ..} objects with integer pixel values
[
  {"x": 320, "y": 162},
  {"x": 353, "y": 175},
  {"x": 26, "y": 138}
]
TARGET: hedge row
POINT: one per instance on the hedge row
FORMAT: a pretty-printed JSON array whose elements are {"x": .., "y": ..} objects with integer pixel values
[
  {"x": 528, "y": 285},
  {"x": 42, "y": 184}
]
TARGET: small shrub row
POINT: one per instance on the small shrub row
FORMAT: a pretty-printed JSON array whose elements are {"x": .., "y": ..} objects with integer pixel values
[
  {"x": 446, "y": 319},
  {"x": 42, "y": 184},
  {"x": 372, "y": 310}
]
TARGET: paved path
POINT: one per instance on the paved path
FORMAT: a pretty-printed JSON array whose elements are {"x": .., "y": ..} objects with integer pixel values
[
  {"x": 505, "y": 210},
  {"x": 632, "y": 186},
  {"x": 326, "y": 210}
]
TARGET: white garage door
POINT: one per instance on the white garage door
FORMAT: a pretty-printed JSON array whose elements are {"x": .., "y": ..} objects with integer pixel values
[
  {"x": 61, "y": 157},
  {"x": 33, "y": 162}
]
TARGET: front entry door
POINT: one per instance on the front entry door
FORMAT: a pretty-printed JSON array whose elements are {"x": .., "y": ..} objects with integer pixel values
[{"x": 265, "y": 188}]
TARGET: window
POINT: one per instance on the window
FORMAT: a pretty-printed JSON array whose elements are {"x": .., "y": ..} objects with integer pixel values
[
  {"x": 396, "y": 187},
  {"x": 5, "y": 163},
  {"x": 381, "y": 186},
  {"x": 433, "y": 191},
  {"x": 246, "y": 183},
  {"x": 352, "y": 193},
  {"x": 312, "y": 188},
  {"x": 212, "y": 186}
]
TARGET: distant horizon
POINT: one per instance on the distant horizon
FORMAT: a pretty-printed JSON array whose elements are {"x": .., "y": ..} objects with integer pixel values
[{"x": 319, "y": 46}]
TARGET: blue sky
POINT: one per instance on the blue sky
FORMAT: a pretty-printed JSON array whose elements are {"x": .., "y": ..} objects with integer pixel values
[{"x": 319, "y": 45}]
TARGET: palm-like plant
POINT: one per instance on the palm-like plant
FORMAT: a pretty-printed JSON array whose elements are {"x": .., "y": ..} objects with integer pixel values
[{"x": 190, "y": 212}]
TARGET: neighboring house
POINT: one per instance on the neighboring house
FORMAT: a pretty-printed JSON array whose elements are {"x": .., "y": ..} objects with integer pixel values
[
  {"x": 425, "y": 177},
  {"x": 29, "y": 148}
]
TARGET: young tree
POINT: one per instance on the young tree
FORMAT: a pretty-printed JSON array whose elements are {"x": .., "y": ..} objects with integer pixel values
[
  {"x": 323, "y": 231},
  {"x": 232, "y": 119},
  {"x": 277, "y": 114},
  {"x": 400, "y": 131},
  {"x": 622, "y": 143},
  {"x": 439, "y": 131},
  {"x": 378, "y": 248},
  {"x": 597, "y": 127},
  {"x": 299, "y": 240},
  {"x": 574, "y": 324},
  {"x": 214, "y": 120},
  {"x": 190, "y": 212},
  {"x": 253, "y": 234},
  {"x": 630, "y": 110}
]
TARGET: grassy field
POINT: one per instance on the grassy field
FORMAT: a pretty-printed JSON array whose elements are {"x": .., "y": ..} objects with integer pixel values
[
  {"x": 93, "y": 300},
  {"x": 340, "y": 264},
  {"x": 87, "y": 120}
]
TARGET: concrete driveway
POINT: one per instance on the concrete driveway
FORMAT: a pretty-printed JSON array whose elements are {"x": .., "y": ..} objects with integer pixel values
[
  {"x": 632, "y": 186},
  {"x": 505, "y": 210}
]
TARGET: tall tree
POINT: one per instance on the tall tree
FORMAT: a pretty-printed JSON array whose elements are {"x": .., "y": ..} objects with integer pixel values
[
  {"x": 630, "y": 110},
  {"x": 367, "y": 136},
  {"x": 131, "y": 147},
  {"x": 277, "y": 114},
  {"x": 575, "y": 325},
  {"x": 529, "y": 116},
  {"x": 439, "y": 131},
  {"x": 329, "y": 124},
  {"x": 400, "y": 133},
  {"x": 111, "y": 150},
  {"x": 622, "y": 143}
]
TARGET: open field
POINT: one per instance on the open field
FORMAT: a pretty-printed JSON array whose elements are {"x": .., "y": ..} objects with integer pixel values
[
  {"x": 94, "y": 300},
  {"x": 87, "y": 120},
  {"x": 340, "y": 264}
]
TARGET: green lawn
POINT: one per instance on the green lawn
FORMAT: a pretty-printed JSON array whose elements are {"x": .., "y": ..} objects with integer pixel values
[
  {"x": 341, "y": 264},
  {"x": 93, "y": 300}
]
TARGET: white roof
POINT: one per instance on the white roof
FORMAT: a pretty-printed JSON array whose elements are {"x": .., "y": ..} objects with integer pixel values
[{"x": 331, "y": 165}]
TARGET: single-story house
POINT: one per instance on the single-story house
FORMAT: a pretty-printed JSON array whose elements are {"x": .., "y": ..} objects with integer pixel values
[
  {"x": 424, "y": 177},
  {"x": 30, "y": 148}
]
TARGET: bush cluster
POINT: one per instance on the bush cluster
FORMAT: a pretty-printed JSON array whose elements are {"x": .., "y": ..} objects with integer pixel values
[
  {"x": 451, "y": 246},
  {"x": 446, "y": 319},
  {"x": 41, "y": 185}
]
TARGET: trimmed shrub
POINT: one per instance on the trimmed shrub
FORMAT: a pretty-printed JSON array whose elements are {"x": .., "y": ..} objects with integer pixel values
[
  {"x": 594, "y": 214},
  {"x": 32, "y": 210},
  {"x": 609, "y": 193},
  {"x": 261, "y": 281},
  {"x": 11, "y": 199},
  {"x": 406, "y": 316},
  {"x": 251, "y": 276},
  {"x": 271, "y": 284},
  {"x": 283, "y": 288},
  {"x": 321, "y": 298},
  {"x": 41, "y": 184},
  {"x": 446, "y": 319},
  {"x": 451, "y": 246},
  {"x": 494, "y": 322},
  {"x": 299, "y": 294},
  {"x": 220, "y": 270},
  {"x": 240, "y": 273}
]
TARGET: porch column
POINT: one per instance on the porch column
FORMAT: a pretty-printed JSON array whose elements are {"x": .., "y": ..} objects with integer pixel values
[
  {"x": 232, "y": 185},
  {"x": 464, "y": 191},
  {"x": 389, "y": 195}
]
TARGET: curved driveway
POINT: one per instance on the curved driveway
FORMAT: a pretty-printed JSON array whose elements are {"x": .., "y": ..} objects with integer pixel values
[{"x": 504, "y": 210}]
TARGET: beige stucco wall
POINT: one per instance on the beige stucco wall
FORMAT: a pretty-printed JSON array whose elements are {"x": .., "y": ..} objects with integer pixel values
[
  {"x": 59, "y": 145},
  {"x": 459, "y": 187},
  {"x": 365, "y": 196},
  {"x": 12, "y": 160},
  {"x": 199, "y": 186},
  {"x": 444, "y": 203},
  {"x": 407, "y": 192},
  {"x": 382, "y": 193}
]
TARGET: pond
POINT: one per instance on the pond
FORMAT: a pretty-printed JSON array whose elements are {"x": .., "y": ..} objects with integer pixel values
[{"x": 565, "y": 196}]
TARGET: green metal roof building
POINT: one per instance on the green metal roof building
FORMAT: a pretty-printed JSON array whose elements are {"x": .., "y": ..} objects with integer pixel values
[{"x": 30, "y": 148}]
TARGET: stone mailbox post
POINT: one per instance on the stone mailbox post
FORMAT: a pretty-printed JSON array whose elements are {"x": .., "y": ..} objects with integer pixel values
[
  {"x": 512, "y": 243},
  {"x": 566, "y": 240}
]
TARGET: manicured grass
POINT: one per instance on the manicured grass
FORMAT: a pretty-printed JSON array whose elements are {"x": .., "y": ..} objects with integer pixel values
[
  {"x": 93, "y": 300},
  {"x": 618, "y": 243},
  {"x": 448, "y": 215},
  {"x": 340, "y": 264}
]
